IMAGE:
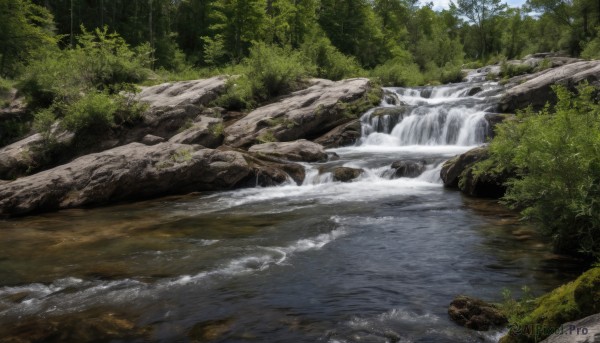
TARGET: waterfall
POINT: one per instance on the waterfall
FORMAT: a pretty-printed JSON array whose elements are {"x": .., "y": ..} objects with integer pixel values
[{"x": 451, "y": 114}]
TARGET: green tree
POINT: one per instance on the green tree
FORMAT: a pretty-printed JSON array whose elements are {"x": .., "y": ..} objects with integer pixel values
[
  {"x": 25, "y": 30},
  {"x": 482, "y": 14}
]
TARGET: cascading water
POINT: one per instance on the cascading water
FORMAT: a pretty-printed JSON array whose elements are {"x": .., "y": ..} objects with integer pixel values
[
  {"x": 443, "y": 115},
  {"x": 377, "y": 259}
]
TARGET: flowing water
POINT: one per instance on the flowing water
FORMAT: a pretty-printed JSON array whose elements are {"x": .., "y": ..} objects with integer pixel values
[{"x": 374, "y": 260}]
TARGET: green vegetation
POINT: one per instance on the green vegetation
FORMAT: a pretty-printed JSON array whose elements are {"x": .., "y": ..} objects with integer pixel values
[
  {"x": 532, "y": 320},
  {"x": 555, "y": 155}
]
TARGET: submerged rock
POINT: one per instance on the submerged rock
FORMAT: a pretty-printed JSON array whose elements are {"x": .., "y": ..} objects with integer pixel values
[
  {"x": 130, "y": 172},
  {"x": 307, "y": 113},
  {"x": 300, "y": 150},
  {"x": 345, "y": 174},
  {"x": 475, "y": 314},
  {"x": 408, "y": 168}
]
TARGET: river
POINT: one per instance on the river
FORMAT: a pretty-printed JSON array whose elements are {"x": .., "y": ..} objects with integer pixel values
[{"x": 374, "y": 260}]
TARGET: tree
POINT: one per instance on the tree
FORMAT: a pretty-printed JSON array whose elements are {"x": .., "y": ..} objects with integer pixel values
[
  {"x": 25, "y": 28},
  {"x": 482, "y": 14}
]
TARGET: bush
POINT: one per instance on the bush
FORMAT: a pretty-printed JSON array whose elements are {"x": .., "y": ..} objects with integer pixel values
[
  {"x": 510, "y": 69},
  {"x": 95, "y": 111},
  {"x": 268, "y": 72},
  {"x": 101, "y": 61},
  {"x": 330, "y": 62},
  {"x": 399, "y": 74},
  {"x": 556, "y": 155}
]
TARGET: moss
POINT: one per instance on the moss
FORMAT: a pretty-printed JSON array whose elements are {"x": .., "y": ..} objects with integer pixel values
[
  {"x": 355, "y": 109},
  {"x": 546, "y": 314},
  {"x": 182, "y": 155},
  {"x": 217, "y": 129},
  {"x": 266, "y": 137}
]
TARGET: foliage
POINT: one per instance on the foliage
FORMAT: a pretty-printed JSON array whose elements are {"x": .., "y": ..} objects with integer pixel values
[
  {"x": 532, "y": 320},
  {"x": 555, "y": 154},
  {"x": 25, "y": 30},
  {"x": 95, "y": 111},
  {"x": 268, "y": 72},
  {"x": 330, "y": 62},
  {"x": 398, "y": 73},
  {"x": 100, "y": 61}
]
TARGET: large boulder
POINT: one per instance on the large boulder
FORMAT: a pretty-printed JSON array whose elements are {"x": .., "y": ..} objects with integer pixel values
[
  {"x": 454, "y": 168},
  {"x": 458, "y": 173},
  {"x": 133, "y": 171},
  {"x": 172, "y": 106},
  {"x": 535, "y": 90},
  {"x": 205, "y": 131},
  {"x": 343, "y": 135},
  {"x": 300, "y": 150},
  {"x": 475, "y": 314},
  {"x": 307, "y": 113},
  {"x": 32, "y": 153},
  {"x": 183, "y": 93}
]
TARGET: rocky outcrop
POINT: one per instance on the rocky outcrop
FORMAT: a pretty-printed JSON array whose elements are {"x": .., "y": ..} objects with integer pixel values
[
  {"x": 458, "y": 173},
  {"x": 475, "y": 314},
  {"x": 343, "y": 135},
  {"x": 586, "y": 330},
  {"x": 494, "y": 119},
  {"x": 205, "y": 131},
  {"x": 307, "y": 113},
  {"x": 133, "y": 171},
  {"x": 346, "y": 174},
  {"x": 300, "y": 150},
  {"x": 30, "y": 153},
  {"x": 183, "y": 94},
  {"x": 408, "y": 168},
  {"x": 535, "y": 90},
  {"x": 152, "y": 140}
]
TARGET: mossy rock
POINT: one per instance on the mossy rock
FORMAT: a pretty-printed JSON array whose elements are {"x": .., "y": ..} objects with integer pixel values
[{"x": 569, "y": 302}]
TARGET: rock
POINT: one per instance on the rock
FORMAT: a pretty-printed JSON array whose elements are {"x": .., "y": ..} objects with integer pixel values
[
  {"x": 343, "y": 135},
  {"x": 79, "y": 327},
  {"x": 458, "y": 173},
  {"x": 475, "y": 314},
  {"x": 212, "y": 330},
  {"x": 536, "y": 89},
  {"x": 453, "y": 168},
  {"x": 565, "y": 304},
  {"x": 345, "y": 174},
  {"x": 391, "y": 98},
  {"x": 408, "y": 168},
  {"x": 183, "y": 93},
  {"x": 332, "y": 156},
  {"x": 205, "y": 131},
  {"x": 30, "y": 154},
  {"x": 586, "y": 330},
  {"x": 474, "y": 91},
  {"x": 130, "y": 172},
  {"x": 307, "y": 113},
  {"x": 152, "y": 140},
  {"x": 300, "y": 150}
]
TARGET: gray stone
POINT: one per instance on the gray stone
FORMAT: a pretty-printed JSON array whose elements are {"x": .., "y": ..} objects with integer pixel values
[
  {"x": 303, "y": 114},
  {"x": 300, "y": 150}
]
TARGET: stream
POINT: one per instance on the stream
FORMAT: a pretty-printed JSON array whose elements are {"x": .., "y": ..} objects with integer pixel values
[{"x": 374, "y": 260}]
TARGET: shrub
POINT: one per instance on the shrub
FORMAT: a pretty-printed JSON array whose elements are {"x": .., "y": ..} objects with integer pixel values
[
  {"x": 556, "y": 155},
  {"x": 101, "y": 61},
  {"x": 268, "y": 72},
  {"x": 95, "y": 110},
  {"x": 330, "y": 62},
  {"x": 510, "y": 69},
  {"x": 398, "y": 73}
]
